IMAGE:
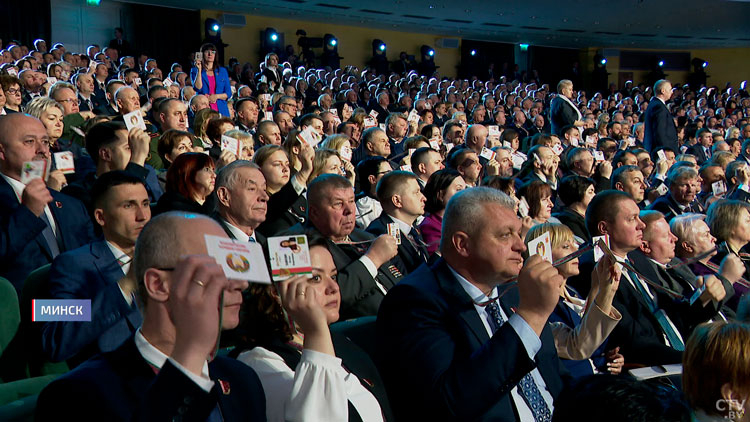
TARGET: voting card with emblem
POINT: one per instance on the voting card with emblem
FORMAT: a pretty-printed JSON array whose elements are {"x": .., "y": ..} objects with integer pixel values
[
  {"x": 598, "y": 252},
  {"x": 231, "y": 144},
  {"x": 487, "y": 153},
  {"x": 289, "y": 256},
  {"x": 33, "y": 170},
  {"x": 65, "y": 162},
  {"x": 134, "y": 119},
  {"x": 239, "y": 260},
  {"x": 541, "y": 246}
]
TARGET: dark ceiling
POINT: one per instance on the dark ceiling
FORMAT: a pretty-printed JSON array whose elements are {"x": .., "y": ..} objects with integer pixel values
[{"x": 658, "y": 24}]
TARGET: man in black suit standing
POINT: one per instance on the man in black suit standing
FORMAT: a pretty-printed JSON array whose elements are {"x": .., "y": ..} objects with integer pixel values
[
  {"x": 454, "y": 341},
  {"x": 241, "y": 200},
  {"x": 365, "y": 271},
  {"x": 403, "y": 202},
  {"x": 163, "y": 372},
  {"x": 562, "y": 111},
  {"x": 660, "y": 127}
]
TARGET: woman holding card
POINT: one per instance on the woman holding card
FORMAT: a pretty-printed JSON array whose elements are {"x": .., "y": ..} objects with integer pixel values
[
  {"x": 539, "y": 197},
  {"x": 190, "y": 180},
  {"x": 211, "y": 79},
  {"x": 307, "y": 371},
  {"x": 581, "y": 327},
  {"x": 328, "y": 161}
]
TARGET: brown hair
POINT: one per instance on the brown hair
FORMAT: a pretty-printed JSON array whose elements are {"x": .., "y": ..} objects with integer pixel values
[
  {"x": 213, "y": 130},
  {"x": 181, "y": 174},
  {"x": 168, "y": 141},
  {"x": 716, "y": 353},
  {"x": 534, "y": 192}
]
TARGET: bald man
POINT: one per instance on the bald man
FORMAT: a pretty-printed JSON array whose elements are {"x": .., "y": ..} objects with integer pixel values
[{"x": 37, "y": 222}]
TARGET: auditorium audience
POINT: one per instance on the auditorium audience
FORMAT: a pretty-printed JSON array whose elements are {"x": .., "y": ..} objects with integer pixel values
[{"x": 441, "y": 187}]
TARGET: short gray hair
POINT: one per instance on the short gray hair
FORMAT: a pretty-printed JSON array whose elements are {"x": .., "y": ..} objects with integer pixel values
[
  {"x": 60, "y": 85},
  {"x": 227, "y": 176},
  {"x": 465, "y": 212},
  {"x": 683, "y": 226}
]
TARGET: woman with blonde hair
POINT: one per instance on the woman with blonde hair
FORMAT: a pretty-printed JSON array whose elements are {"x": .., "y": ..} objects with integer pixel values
[
  {"x": 200, "y": 124},
  {"x": 581, "y": 327}
]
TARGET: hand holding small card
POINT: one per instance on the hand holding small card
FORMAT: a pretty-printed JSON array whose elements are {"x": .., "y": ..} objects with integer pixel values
[{"x": 541, "y": 246}]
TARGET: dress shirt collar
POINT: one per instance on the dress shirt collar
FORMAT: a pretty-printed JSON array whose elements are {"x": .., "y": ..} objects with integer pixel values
[
  {"x": 405, "y": 228},
  {"x": 120, "y": 255},
  {"x": 154, "y": 356},
  {"x": 476, "y": 295},
  {"x": 17, "y": 186},
  {"x": 238, "y": 233}
]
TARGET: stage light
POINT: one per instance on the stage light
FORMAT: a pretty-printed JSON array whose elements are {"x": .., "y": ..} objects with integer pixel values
[
  {"x": 333, "y": 41},
  {"x": 274, "y": 37},
  {"x": 661, "y": 63},
  {"x": 705, "y": 64},
  {"x": 473, "y": 52},
  {"x": 382, "y": 47},
  {"x": 431, "y": 53},
  {"x": 603, "y": 62},
  {"x": 93, "y": 2},
  {"x": 523, "y": 47},
  {"x": 215, "y": 27}
]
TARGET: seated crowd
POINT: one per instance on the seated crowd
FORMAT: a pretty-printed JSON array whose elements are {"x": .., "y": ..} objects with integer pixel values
[{"x": 470, "y": 172}]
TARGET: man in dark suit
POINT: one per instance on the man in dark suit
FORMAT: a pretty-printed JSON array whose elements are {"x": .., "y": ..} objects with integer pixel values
[
  {"x": 94, "y": 271},
  {"x": 85, "y": 85},
  {"x": 562, "y": 111},
  {"x": 241, "y": 201},
  {"x": 444, "y": 348},
  {"x": 640, "y": 334},
  {"x": 163, "y": 373},
  {"x": 36, "y": 223},
  {"x": 402, "y": 200},
  {"x": 365, "y": 271},
  {"x": 681, "y": 198},
  {"x": 651, "y": 258},
  {"x": 112, "y": 147},
  {"x": 660, "y": 129},
  {"x": 702, "y": 149}
]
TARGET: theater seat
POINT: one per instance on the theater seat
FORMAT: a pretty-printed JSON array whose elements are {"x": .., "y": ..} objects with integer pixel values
[
  {"x": 361, "y": 331},
  {"x": 36, "y": 287},
  {"x": 10, "y": 314},
  {"x": 21, "y": 410}
]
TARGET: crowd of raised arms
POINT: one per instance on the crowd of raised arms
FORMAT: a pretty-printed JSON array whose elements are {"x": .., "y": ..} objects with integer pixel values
[{"x": 504, "y": 250}]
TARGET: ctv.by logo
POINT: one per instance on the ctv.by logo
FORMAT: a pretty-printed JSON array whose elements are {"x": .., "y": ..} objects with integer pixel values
[{"x": 735, "y": 409}]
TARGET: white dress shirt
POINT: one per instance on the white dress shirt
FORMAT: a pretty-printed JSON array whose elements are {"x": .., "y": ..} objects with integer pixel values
[
  {"x": 18, "y": 188},
  {"x": 318, "y": 390},
  {"x": 156, "y": 358},
  {"x": 120, "y": 257},
  {"x": 238, "y": 233},
  {"x": 531, "y": 342}
]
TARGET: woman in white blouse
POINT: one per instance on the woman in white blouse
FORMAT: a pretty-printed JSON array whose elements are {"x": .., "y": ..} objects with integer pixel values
[{"x": 302, "y": 376}]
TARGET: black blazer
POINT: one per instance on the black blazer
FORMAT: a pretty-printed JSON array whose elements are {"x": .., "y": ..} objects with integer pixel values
[
  {"x": 437, "y": 360},
  {"x": 285, "y": 209},
  {"x": 360, "y": 295},
  {"x": 575, "y": 222},
  {"x": 638, "y": 333},
  {"x": 408, "y": 256},
  {"x": 660, "y": 130},
  {"x": 561, "y": 114},
  {"x": 122, "y": 386},
  {"x": 666, "y": 205},
  {"x": 699, "y": 152}
]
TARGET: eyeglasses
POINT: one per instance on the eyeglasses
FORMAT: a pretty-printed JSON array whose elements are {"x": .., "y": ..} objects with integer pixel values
[
  {"x": 13, "y": 91},
  {"x": 71, "y": 101}
]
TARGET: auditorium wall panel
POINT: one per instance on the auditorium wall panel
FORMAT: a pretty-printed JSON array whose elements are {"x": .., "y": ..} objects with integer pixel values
[{"x": 355, "y": 43}]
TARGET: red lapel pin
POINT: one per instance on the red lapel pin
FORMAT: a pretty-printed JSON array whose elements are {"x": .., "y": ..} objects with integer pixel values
[{"x": 224, "y": 387}]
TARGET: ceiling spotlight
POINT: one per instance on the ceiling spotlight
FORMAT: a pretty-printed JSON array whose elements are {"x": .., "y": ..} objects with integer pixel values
[
  {"x": 603, "y": 62},
  {"x": 431, "y": 53},
  {"x": 274, "y": 36},
  {"x": 382, "y": 47},
  {"x": 705, "y": 64},
  {"x": 661, "y": 63},
  {"x": 215, "y": 27},
  {"x": 333, "y": 41},
  {"x": 473, "y": 52}
]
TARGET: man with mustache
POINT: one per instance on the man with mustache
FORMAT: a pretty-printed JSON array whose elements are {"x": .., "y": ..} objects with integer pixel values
[
  {"x": 37, "y": 223},
  {"x": 93, "y": 271}
]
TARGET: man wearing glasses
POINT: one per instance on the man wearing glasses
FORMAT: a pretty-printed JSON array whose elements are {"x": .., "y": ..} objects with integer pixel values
[{"x": 163, "y": 372}]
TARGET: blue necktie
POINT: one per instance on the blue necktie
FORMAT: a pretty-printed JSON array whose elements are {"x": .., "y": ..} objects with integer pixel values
[
  {"x": 529, "y": 390},
  {"x": 49, "y": 236},
  {"x": 661, "y": 317}
]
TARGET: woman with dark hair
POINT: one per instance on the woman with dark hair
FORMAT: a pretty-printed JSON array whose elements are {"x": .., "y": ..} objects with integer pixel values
[
  {"x": 211, "y": 80},
  {"x": 172, "y": 144},
  {"x": 538, "y": 196},
  {"x": 575, "y": 192},
  {"x": 440, "y": 187},
  {"x": 190, "y": 180},
  {"x": 287, "y": 204},
  {"x": 13, "y": 97},
  {"x": 305, "y": 368}
]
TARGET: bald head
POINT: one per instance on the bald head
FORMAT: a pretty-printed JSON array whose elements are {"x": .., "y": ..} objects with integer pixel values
[
  {"x": 15, "y": 130},
  {"x": 475, "y": 137}
]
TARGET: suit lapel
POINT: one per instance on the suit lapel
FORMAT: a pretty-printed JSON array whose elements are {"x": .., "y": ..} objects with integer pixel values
[
  {"x": 133, "y": 370},
  {"x": 461, "y": 302}
]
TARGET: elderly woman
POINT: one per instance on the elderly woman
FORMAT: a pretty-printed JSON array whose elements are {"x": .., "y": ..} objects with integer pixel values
[
  {"x": 12, "y": 89},
  {"x": 581, "y": 327},
  {"x": 729, "y": 221},
  {"x": 190, "y": 180},
  {"x": 575, "y": 192},
  {"x": 538, "y": 196},
  {"x": 716, "y": 370},
  {"x": 308, "y": 372},
  {"x": 694, "y": 240},
  {"x": 440, "y": 188},
  {"x": 50, "y": 112},
  {"x": 563, "y": 112}
]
